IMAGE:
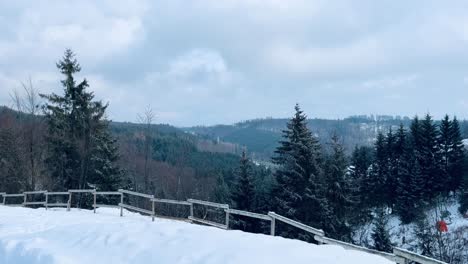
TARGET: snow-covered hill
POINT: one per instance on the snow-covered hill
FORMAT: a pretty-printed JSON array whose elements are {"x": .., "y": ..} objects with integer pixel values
[{"x": 55, "y": 236}]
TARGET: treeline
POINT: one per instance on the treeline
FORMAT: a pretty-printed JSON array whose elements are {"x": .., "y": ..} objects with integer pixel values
[{"x": 405, "y": 173}]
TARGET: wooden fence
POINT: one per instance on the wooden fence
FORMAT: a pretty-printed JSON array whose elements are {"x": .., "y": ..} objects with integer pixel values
[{"x": 399, "y": 256}]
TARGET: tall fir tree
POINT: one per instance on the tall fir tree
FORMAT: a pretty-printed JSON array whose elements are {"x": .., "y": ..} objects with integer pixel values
[
  {"x": 221, "y": 191},
  {"x": 361, "y": 160},
  {"x": 81, "y": 150},
  {"x": 391, "y": 178},
  {"x": 243, "y": 195},
  {"x": 378, "y": 174},
  {"x": 429, "y": 159},
  {"x": 456, "y": 159},
  {"x": 338, "y": 192},
  {"x": 380, "y": 234},
  {"x": 298, "y": 192},
  {"x": 407, "y": 175}
]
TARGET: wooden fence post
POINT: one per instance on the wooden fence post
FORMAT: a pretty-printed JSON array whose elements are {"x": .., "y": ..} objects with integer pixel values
[
  {"x": 94, "y": 200},
  {"x": 121, "y": 202},
  {"x": 227, "y": 219},
  {"x": 69, "y": 201},
  {"x": 191, "y": 209},
  {"x": 25, "y": 199},
  {"x": 46, "y": 200},
  {"x": 272, "y": 227},
  {"x": 152, "y": 209}
]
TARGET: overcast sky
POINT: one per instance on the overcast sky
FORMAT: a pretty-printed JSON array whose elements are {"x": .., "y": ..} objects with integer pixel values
[{"x": 208, "y": 62}]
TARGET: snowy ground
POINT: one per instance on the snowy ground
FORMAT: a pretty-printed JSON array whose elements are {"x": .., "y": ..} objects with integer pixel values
[
  {"x": 55, "y": 236},
  {"x": 400, "y": 233}
]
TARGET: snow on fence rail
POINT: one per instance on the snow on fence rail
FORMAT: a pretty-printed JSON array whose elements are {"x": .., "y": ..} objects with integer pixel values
[
  {"x": 330, "y": 241},
  {"x": 408, "y": 256},
  {"x": 399, "y": 256}
]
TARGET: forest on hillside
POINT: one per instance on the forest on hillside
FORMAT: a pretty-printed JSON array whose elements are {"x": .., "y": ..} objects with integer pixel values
[{"x": 64, "y": 141}]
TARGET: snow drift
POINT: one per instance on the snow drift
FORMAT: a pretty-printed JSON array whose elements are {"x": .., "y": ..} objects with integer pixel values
[{"x": 56, "y": 236}]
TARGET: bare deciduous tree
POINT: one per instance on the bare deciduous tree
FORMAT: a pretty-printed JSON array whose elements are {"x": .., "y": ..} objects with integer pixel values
[{"x": 147, "y": 119}]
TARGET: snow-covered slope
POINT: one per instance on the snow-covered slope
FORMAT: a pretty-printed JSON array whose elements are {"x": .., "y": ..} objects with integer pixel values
[{"x": 55, "y": 236}]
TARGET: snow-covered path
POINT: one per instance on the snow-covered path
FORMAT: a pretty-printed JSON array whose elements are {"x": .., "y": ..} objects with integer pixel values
[{"x": 55, "y": 236}]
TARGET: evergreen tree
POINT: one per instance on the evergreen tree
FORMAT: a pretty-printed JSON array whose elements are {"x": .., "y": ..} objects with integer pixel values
[
  {"x": 361, "y": 160},
  {"x": 298, "y": 192},
  {"x": 429, "y": 159},
  {"x": 456, "y": 159},
  {"x": 391, "y": 178},
  {"x": 221, "y": 192},
  {"x": 407, "y": 175},
  {"x": 380, "y": 234},
  {"x": 338, "y": 193},
  {"x": 243, "y": 195},
  {"x": 378, "y": 173},
  {"x": 80, "y": 146}
]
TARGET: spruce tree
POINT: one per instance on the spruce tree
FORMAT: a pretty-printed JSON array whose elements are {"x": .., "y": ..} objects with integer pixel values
[
  {"x": 338, "y": 192},
  {"x": 361, "y": 160},
  {"x": 430, "y": 160},
  {"x": 298, "y": 192},
  {"x": 221, "y": 191},
  {"x": 377, "y": 179},
  {"x": 392, "y": 168},
  {"x": 243, "y": 195},
  {"x": 407, "y": 175},
  {"x": 81, "y": 151},
  {"x": 380, "y": 234},
  {"x": 456, "y": 159}
]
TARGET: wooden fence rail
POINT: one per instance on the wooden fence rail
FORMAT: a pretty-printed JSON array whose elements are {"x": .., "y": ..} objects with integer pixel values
[
  {"x": 72, "y": 191},
  {"x": 122, "y": 205},
  {"x": 315, "y": 231},
  {"x": 330, "y": 241},
  {"x": 96, "y": 205},
  {"x": 2, "y": 194},
  {"x": 47, "y": 204},
  {"x": 8, "y": 195},
  {"x": 207, "y": 222},
  {"x": 25, "y": 203},
  {"x": 408, "y": 256},
  {"x": 400, "y": 256}
]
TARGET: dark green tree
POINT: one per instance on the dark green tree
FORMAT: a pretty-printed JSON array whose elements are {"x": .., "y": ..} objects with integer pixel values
[
  {"x": 221, "y": 191},
  {"x": 298, "y": 192},
  {"x": 407, "y": 173},
  {"x": 243, "y": 195},
  {"x": 378, "y": 173},
  {"x": 380, "y": 234},
  {"x": 456, "y": 159},
  {"x": 430, "y": 161},
  {"x": 361, "y": 160},
  {"x": 81, "y": 151},
  {"x": 338, "y": 192}
]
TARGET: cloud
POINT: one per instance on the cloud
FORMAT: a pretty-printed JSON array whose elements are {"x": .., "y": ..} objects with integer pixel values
[{"x": 207, "y": 61}]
